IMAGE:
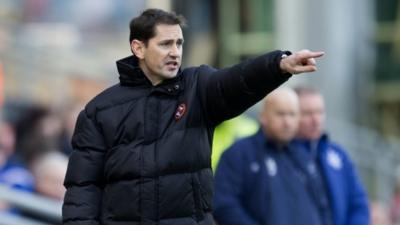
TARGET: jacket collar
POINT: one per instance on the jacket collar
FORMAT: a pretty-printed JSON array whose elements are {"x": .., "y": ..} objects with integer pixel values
[{"x": 130, "y": 74}]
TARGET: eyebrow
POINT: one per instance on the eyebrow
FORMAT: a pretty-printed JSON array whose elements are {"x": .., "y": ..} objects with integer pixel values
[{"x": 181, "y": 40}]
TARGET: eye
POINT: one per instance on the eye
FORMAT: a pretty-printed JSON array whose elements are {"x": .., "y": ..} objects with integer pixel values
[
  {"x": 179, "y": 43},
  {"x": 164, "y": 44}
]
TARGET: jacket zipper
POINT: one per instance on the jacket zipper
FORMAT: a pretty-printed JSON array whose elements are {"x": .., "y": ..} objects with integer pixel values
[
  {"x": 141, "y": 161},
  {"x": 157, "y": 183}
]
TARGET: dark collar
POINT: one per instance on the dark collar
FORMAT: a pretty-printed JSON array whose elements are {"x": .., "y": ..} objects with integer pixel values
[{"x": 130, "y": 74}]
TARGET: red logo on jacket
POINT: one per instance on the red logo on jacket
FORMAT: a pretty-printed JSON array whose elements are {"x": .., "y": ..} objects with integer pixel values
[{"x": 180, "y": 111}]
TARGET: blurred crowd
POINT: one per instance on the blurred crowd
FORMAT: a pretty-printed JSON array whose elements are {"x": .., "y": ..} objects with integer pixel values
[{"x": 34, "y": 149}]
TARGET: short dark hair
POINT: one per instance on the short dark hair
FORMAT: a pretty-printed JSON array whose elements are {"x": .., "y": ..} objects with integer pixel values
[{"x": 143, "y": 26}]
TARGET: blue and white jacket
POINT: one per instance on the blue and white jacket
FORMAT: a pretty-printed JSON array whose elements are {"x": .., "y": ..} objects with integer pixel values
[{"x": 257, "y": 183}]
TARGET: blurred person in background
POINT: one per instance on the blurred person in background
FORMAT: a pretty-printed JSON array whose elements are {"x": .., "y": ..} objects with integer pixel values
[
  {"x": 48, "y": 168},
  {"x": 142, "y": 148},
  {"x": 49, "y": 171},
  {"x": 259, "y": 180},
  {"x": 341, "y": 194},
  {"x": 38, "y": 131},
  {"x": 13, "y": 172}
]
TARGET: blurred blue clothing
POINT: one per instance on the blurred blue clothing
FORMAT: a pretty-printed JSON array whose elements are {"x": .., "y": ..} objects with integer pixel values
[
  {"x": 13, "y": 174},
  {"x": 258, "y": 182},
  {"x": 348, "y": 199}
]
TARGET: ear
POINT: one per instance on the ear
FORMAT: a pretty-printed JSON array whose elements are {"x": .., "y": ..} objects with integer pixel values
[
  {"x": 262, "y": 118},
  {"x": 138, "y": 48}
]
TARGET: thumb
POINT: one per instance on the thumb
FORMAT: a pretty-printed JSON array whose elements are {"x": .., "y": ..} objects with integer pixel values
[
  {"x": 306, "y": 69},
  {"x": 305, "y": 53}
]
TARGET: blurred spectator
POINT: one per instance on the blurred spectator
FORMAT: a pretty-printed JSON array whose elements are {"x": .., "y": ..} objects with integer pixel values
[
  {"x": 49, "y": 171},
  {"x": 258, "y": 180},
  {"x": 38, "y": 131},
  {"x": 12, "y": 172},
  {"x": 341, "y": 195},
  {"x": 379, "y": 214}
]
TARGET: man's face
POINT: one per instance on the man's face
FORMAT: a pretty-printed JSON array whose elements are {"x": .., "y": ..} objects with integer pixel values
[
  {"x": 280, "y": 119},
  {"x": 162, "y": 56},
  {"x": 312, "y": 119}
]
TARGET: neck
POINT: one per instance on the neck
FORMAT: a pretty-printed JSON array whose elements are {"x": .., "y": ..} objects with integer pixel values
[{"x": 147, "y": 73}]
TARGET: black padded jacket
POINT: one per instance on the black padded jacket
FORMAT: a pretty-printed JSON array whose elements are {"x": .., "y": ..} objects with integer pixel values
[{"x": 142, "y": 152}]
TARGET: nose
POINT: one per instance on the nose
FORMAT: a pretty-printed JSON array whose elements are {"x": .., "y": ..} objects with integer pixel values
[
  {"x": 290, "y": 120},
  {"x": 287, "y": 121},
  {"x": 315, "y": 119},
  {"x": 174, "y": 51}
]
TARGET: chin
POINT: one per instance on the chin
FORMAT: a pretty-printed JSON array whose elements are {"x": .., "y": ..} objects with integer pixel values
[{"x": 170, "y": 75}]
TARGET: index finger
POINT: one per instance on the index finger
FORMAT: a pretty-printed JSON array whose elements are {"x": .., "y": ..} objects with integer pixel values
[
  {"x": 313, "y": 54},
  {"x": 318, "y": 54}
]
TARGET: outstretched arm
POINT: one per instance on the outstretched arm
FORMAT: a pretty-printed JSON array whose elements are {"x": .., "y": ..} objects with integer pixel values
[{"x": 228, "y": 92}]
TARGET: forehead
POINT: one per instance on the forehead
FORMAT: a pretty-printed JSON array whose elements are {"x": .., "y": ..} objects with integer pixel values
[
  {"x": 166, "y": 31},
  {"x": 285, "y": 107},
  {"x": 278, "y": 107},
  {"x": 311, "y": 101},
  {"x": 281, "y": 100}
]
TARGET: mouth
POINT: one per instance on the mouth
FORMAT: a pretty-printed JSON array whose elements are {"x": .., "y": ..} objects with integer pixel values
[{"x": 172, "y": 65}]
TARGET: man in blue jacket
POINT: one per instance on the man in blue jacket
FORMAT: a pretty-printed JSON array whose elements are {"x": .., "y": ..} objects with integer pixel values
[
  {"x": 348, "y": 204},
  {"x": 269, "y": 179},
  {"x": 259, "y": 180}
]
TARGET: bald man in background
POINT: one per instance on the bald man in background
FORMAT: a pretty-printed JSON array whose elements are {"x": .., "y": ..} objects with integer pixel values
[{"x": 258, "y": 180}]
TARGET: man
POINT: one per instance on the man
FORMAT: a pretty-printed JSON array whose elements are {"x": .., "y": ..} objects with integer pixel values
[
  {"x": 142, "y": 147},
  {"x": 13, "y": 173},
  {"x": 258, "y": 180},
  {"x": 49, "y": 171},
  {"x": 346, "y": 200}
]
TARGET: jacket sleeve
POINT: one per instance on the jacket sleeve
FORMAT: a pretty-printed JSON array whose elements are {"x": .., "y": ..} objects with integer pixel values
[
  {"x": 358, "y": 209},
  {"x": 228, "y": 190},
  {"x": 84, "y": 178},
  {"x": 228, "y": 92}
]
